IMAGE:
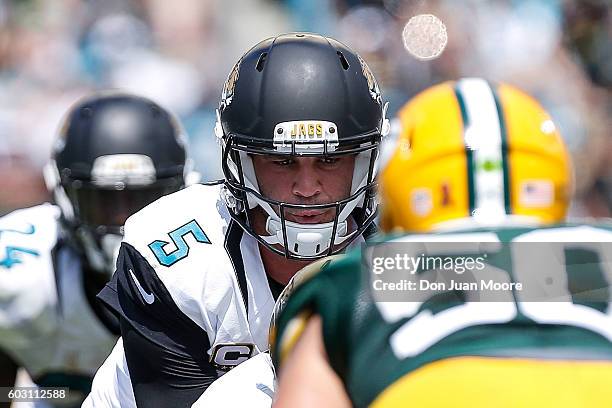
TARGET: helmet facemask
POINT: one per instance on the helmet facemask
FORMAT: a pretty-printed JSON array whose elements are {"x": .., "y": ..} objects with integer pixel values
[{"x": 352, "y": 215}]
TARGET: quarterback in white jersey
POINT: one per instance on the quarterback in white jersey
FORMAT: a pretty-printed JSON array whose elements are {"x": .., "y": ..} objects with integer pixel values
[
  {"x": 300, "y": 121},
  {"x": 54, "y": 259}
]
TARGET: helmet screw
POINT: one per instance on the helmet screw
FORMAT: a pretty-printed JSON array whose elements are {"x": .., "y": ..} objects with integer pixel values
[
  {"x": 332, "y": 130},
  {"x": 86, "y": 112},
  {"x": 155, "y": 110},
  {"x": 279, "y": 130}
]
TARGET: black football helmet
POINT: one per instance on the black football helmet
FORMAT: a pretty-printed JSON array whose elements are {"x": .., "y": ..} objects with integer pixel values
[
  {"x": 301, "y": 94},
  {"x": 115, "y": 153}
]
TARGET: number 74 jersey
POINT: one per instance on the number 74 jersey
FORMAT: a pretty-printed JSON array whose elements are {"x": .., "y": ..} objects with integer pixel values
[{"x": 488, "y": 300}]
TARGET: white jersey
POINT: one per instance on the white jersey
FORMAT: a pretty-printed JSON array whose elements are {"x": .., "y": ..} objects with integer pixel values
[
  {"x": 251, "y": 384},
  {"x": 46, "y": 323},
  {"x": 185, "y": 238},
  {"x": 185, "y": 265},
  {"x": 111, "y": 386}
]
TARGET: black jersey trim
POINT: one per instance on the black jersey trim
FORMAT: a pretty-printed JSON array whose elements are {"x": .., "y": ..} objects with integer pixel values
[
  {"x": 162, "y": 322},
  {"x": 232, "y": 247}
]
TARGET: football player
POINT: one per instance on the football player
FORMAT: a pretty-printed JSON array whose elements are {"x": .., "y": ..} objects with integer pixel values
[
  {"x": 114, "y": 154},
  {"x": 300, "y": 120},
  {"x": 474, "y": 163}
]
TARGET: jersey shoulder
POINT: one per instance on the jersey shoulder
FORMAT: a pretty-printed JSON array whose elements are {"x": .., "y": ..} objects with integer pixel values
[
  {"x": 180, "y": 227},
  {"x": 34, "y": 227},
  {"x": 27, "y": 238},
  {"x": 174, "y": 250},
  {"x": 588, "y": 231},
  {"x": 199, "y": 203},
  {"x": 28, "y": 293},
  {"x": 578, "y": 231},
  {"x": 181, "y": 233}
]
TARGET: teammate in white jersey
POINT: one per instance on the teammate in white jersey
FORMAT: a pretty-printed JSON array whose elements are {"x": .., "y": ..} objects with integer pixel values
[
  {"x": 300, "y": 122},
  {"x": 114, "y": 154}
]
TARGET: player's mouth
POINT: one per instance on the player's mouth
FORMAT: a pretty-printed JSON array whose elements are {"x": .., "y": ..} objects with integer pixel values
[{"x": 309, "y": 216}]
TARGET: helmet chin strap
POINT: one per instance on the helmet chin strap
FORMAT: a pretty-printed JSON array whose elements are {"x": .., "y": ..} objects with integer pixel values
[
  {"x": 102, "y": 255},
  {"x": 305, "y": 239}
]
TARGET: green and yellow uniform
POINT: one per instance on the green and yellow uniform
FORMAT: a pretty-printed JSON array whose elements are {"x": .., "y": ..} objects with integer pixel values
[{"x": 440, "y": 352}]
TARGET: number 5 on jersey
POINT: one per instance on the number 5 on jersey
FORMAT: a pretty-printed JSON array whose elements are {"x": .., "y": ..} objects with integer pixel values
[{"x": 178, "y": 239}]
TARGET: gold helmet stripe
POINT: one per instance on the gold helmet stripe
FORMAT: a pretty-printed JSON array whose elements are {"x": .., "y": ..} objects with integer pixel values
[{"x": 484, "y": 148}]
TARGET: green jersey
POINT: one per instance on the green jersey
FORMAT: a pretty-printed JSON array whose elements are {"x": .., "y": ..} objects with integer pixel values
[{"x": 372, "y": 340}]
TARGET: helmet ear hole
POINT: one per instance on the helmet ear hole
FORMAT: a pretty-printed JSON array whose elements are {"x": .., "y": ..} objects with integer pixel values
[
  {"x": 343, "y": 61},
  {"x": 261, "y": 61}
]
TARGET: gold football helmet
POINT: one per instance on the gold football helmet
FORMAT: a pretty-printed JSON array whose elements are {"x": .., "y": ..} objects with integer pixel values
[{"x": 473, "y": 152}]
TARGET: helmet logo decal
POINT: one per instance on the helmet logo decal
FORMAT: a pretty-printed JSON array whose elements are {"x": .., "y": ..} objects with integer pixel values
[
  {"x": 313, "y": 136},
  {"x": 228, "y": 89},
  {"x": 372, "y": 84}
]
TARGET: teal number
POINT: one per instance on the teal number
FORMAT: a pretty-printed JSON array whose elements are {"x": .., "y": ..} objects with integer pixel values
[
  {"x": 11, "y": 257},
  {"x": 11, "y": 253},
  {"x": 178, "y": 238},
  {"x": 29, "y": 231}
]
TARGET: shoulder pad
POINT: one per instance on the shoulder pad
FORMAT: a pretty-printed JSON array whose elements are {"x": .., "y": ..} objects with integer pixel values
[
  {"x": 179, "y": 244},
  {"x": 27, "y": 279},
  {"x": 27, "y": 235},
  {"x": 163, "y": 231}
]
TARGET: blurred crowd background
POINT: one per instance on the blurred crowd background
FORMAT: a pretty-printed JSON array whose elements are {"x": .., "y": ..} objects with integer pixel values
[{"x": 179, "y": 53}]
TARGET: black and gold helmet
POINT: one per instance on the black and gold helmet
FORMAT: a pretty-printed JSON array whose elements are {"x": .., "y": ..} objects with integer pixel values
[
  {"x": 114, "y": 154},
  {"x": 301, "y": 94}
]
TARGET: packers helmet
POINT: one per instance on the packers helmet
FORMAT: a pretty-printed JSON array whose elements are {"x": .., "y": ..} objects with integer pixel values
[
  {"x": 473, "y": 152},
  {"x": 295, "y": 330}
]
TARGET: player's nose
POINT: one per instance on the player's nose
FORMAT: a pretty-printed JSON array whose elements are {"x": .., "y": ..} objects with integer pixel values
[{"x": 306, "y": 182}]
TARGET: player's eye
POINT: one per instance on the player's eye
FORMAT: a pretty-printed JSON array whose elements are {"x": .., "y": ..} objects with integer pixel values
[
  {"x": 283, "y": 162},
  {"x": 329, "y": 160}
]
